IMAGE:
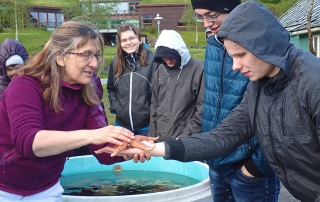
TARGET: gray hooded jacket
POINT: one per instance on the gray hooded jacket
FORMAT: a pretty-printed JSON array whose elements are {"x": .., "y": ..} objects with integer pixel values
[
  {"x": 283, "y": 111},
  {"x": 177, "y": 93}
]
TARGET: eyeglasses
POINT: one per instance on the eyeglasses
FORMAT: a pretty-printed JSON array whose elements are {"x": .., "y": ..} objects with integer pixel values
[
  {"x": 210, "y": 18},
  {"x": 87, "y": 56},
  {"x": 130, "y": 39}
]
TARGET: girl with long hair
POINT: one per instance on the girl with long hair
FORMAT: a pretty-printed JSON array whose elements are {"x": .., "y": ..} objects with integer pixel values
[{"x": 129, "y": 80}]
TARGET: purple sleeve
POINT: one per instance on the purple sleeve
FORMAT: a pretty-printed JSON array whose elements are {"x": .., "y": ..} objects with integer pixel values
[
  {"x": 22, "y": 100},
  {"x": 96, "y": 120}
]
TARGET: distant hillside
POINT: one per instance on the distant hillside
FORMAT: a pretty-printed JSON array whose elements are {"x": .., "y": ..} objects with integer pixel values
[
  {"x": 54, "y": 3},
  {"x": 278, "y": 8}
]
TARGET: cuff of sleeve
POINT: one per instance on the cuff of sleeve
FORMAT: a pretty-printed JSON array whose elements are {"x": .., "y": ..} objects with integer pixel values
[
  {"x": 174, "y": 149},
  {"x": 252, "y": 168}
]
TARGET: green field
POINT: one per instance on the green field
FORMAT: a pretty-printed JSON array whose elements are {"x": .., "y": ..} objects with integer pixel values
[
  {"x": 32, "y": 39},
  {"x": 56, "y": 3}
]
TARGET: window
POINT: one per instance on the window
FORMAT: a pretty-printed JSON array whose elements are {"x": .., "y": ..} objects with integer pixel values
[
  {"x": 51, "y": 20},
  {"x": 59, "y": 18},
  {"x": 47, "y": 20},
  {"x": 146, "y": 20},
  {"x": 133, "y": 7},
  {"x": 34, "y": 15},
  {"x": 43, "y": 19}
]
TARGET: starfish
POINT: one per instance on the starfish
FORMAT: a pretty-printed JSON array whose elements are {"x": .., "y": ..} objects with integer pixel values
[{"x": 136, "y": 143}]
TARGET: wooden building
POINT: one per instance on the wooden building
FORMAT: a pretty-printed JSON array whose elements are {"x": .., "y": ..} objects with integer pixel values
[
  {"x": 46, "y": 17},
  {"x": 170, "y": 12}
]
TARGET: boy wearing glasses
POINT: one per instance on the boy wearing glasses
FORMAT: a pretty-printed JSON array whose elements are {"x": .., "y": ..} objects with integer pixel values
[{"x": 243, "y": 175}]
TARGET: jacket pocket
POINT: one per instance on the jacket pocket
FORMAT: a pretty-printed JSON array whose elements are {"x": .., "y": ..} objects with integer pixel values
[{"x": 7, "y": 157}]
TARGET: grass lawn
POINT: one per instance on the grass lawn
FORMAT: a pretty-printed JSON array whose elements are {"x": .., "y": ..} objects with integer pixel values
[
  {"x": 105, "y": 100},
  {"x": 32, "y": 39},
  {"x": 51, "y": 2}
]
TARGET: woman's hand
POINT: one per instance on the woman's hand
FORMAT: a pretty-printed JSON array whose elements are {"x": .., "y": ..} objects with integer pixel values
[
  {"x": 111, "y": 134},
  {"x": 128, "y": 151}
]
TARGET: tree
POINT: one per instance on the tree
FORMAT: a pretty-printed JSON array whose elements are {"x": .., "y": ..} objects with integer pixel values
[
  {"x": 188, "y": 20},
  {"x": 14, "y": 14},
  {"x": 310, "y": 37},
  {"x": 99, "y": 11}
]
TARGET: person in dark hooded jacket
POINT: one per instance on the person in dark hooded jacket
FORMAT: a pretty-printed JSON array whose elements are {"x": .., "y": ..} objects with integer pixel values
[
  {"x": 281, "y": 106},
  {"x": 12, "y": 56},
  {"x": 177, "y": 89}
]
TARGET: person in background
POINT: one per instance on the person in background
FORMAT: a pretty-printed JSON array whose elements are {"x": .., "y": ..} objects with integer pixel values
[
  {"x": 50, "y": 108},
  {"x": 243, "y": 175},
  {"x": 129, "y": 81},
  {"x": 177, "y": 89},
  {"x": 281, "y": 106},
  {"x": 12, "y": 56}
]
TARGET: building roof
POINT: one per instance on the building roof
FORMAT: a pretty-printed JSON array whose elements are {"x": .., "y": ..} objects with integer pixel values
[{"x": 295, "y": 19}]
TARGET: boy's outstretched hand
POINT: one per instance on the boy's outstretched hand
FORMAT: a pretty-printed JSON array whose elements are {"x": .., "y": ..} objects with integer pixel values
[{"x": 129, "y": 152}]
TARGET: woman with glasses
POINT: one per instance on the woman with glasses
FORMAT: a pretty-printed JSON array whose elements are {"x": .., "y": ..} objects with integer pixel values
[
  {"x": 49, "y": 109},
  {"x": 129, "y": 81}
]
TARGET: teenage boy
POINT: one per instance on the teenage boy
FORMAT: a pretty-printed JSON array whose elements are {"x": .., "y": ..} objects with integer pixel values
[{"x": 244, "y": 174}]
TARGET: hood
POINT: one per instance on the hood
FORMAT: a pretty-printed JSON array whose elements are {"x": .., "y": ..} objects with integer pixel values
[
  {"x": 252, "y": 26},
  {"x": 173, "y": 40},
  {"x": 8, "y": 48}
]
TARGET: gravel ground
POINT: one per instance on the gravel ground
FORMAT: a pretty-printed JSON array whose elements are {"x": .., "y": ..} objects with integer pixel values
[{"x": 285, "y": 196}]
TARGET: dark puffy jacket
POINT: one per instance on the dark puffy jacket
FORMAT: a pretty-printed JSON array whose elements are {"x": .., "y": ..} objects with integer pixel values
[
  {"x": 8, "y": 48},
  {"x": 224, "y": 89},
  {"x": 130, "y": 93}
]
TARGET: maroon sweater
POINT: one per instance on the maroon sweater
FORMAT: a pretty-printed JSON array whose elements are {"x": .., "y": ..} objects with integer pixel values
[{"x": 22, "y": 115}]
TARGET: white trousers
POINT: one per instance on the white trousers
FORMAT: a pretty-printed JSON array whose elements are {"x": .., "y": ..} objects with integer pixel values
[{"x": 53, "y": 194}]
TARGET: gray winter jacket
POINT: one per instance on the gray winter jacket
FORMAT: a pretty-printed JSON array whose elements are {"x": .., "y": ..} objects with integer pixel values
[
  {"x": 177, "y": 93},
  {"x": 283, "y": 111}
]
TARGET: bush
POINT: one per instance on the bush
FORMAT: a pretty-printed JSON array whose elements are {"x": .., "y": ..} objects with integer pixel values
[{"x": 151, "y": 29}]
